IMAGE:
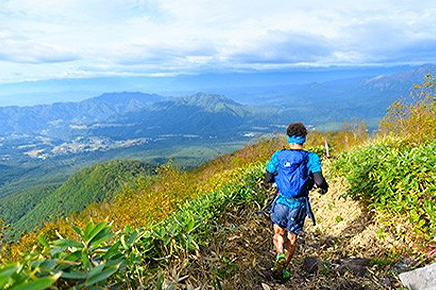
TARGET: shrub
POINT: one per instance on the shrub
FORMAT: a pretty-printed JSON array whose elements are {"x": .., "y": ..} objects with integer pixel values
[{"x": 390, "y": 175}]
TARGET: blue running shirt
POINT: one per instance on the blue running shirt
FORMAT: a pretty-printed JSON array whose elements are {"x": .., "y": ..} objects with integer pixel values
[{"x": 313, "y": 166}]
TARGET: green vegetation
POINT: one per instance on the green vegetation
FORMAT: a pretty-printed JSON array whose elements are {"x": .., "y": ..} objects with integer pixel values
[
  {"x": 14, "y": 207},
  {"x": 185, "y": 156},
  {"x": 8, "y": 173},
  {"x": 94, "y": 184},
  {"x": 23, "y": 178},
  {"x": 30, "y": 184},
  {"x": 396, "y": 173},
  {"x": 77, "y": 264},
  {"x": 389, "y": 175}
]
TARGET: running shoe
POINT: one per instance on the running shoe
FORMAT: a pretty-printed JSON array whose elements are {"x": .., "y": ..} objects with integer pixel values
[
  {"x": 279, "y": 265},
  {"x": 286, "y": 275}
]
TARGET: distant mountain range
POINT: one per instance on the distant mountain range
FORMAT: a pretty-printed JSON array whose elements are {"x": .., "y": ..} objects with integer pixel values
[
  {"x": 43, "y": 119},
  {"x": 135, "y": 115},
  {"x": 132, "y": 115}
]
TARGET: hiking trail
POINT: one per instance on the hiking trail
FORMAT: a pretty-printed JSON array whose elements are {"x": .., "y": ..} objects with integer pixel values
[{"x": 340, "y": 252}]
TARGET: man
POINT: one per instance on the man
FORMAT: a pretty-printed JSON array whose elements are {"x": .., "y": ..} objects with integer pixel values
[{"x": 295, "y": 171}]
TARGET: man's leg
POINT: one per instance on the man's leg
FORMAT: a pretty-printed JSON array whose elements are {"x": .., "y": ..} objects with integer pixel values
[
  {"x": 279, "y": 239},
  {"x": 280, "y": 262},
  {"x": 290, "y": 245}
]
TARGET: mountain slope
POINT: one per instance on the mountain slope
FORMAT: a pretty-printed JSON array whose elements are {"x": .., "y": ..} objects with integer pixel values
[
  {"x": 15, "y": 206},
  {"x": 200, "y": 114},
  {"x": 49, "y": 118},
  {"x": 93, "y": 184}
]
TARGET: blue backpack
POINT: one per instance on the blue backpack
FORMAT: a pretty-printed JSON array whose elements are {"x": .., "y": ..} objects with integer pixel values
[{"x": 292, "y": 173}]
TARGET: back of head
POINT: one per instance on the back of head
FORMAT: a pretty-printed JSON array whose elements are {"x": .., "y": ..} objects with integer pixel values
[{"x": 296, "y": 132}]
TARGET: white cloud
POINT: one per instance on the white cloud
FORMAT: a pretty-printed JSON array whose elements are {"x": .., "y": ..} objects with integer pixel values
[
  {"x": 98, "y": 37},
  {"x": 20, "y": 49}
]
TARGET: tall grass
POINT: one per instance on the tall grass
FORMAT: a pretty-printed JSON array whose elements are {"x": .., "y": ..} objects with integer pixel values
[{"x": 396, "y": 173}]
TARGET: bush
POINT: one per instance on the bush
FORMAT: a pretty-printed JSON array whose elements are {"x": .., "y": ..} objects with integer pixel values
[{"x": 390, "y": 175}]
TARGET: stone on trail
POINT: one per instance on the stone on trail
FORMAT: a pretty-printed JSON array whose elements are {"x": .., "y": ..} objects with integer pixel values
[
  {"x": 403, "y": 265},
  {"x": 310, "y": 264},
  {"x": 330, "y": 241},
  {"x": 356, "y": 266},
  {"x": 420, "y": 279}
]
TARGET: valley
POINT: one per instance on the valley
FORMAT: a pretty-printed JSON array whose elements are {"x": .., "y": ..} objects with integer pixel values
[{"x": 42, "y": 146}]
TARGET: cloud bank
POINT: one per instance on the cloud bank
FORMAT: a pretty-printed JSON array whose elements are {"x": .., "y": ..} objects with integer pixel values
[{"x": 78, "y": 38}]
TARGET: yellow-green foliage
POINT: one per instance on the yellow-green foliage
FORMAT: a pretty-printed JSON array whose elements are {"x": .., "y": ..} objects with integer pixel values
[
  {"x": 92, "y": 184},
  {"x": 414, "y": 120},
  {"x": 3, "y": 230}
]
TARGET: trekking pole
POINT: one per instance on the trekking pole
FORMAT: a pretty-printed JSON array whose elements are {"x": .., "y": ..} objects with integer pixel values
[{"x": 267, "y": 208}]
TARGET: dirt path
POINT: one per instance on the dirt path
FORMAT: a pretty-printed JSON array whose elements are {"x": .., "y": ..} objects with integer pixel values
[{"x": 341, "y": 252}]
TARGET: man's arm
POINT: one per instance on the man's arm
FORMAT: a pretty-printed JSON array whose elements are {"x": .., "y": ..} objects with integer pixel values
[
  {"x": 314, "y": 166},
  {"x": 320, "y": 182},
  {"x": 271, "y": 168}
]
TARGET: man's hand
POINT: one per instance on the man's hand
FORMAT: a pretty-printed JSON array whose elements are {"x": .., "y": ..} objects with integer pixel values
[
  {"x": 323, "y": 190},
  {"x": 269, "y": 177}
]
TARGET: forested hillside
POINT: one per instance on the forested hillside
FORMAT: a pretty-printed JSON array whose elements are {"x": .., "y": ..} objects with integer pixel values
[{"x": 91, "y": 185}]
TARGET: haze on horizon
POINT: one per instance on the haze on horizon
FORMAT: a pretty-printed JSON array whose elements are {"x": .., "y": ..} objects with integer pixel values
[{"x": 68, "y": 39}]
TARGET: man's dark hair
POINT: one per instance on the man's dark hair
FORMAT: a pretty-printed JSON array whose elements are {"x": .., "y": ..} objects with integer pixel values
[{"x": 296, "y": 129}]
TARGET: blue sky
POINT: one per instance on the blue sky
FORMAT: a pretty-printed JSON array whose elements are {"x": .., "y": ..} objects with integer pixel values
[{"x": 92, "y": 38}]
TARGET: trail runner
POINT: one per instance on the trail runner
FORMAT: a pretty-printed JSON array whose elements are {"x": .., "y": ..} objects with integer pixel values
[{"x": 295, "y": 171}]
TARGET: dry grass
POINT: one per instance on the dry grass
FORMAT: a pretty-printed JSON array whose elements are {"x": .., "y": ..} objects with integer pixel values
[{"x": 414, "y": 121}]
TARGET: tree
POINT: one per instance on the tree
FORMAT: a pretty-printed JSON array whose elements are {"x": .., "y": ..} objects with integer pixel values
[{"x": 414, "y": 118}]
